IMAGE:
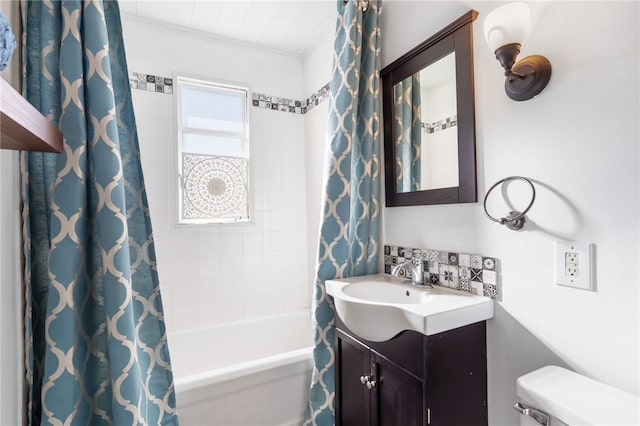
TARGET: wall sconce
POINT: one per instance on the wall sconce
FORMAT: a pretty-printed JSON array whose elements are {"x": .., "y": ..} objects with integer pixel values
[{"x": 505, "y": 28}]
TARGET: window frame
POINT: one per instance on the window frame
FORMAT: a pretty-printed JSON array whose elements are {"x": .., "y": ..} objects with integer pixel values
[{"x": 181, "y": 81}]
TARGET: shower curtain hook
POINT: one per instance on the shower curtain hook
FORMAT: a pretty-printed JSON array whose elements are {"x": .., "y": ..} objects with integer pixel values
[{"x": 365, "y": 3}]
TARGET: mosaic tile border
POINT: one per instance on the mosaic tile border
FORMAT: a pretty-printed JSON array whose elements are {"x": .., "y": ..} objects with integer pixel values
[
  {"x": 260, "y": 100},
  {"x": 151, "y": 83},
  {"x": 320, "y": 95},
  {"x": 443, "y": 124},
  {"x": 159, "y": 84},
  {"x": 472, "y": 273}
]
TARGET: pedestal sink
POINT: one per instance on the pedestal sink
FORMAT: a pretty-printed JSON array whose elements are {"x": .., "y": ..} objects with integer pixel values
[{"x": 378, "y": 307}]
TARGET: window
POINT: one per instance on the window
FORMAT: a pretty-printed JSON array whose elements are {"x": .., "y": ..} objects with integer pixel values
[{"x": 213, "y": 152}]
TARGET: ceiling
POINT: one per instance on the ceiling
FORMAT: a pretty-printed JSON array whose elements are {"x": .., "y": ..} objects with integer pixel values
[{"x": 292, "y": 26}]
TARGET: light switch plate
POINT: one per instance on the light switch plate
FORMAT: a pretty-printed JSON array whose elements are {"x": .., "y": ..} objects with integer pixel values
[{"x": 575, "y": 264}]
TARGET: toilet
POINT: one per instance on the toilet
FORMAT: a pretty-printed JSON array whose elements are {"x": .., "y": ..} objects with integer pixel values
[{"x": 555, "y": 396}]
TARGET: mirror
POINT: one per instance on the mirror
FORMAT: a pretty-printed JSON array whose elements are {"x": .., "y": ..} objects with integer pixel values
[{"x": 429, "y": 120}]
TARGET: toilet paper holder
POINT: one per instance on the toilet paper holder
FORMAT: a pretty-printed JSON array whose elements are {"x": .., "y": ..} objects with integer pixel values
[{"x": 539, "y": 416}]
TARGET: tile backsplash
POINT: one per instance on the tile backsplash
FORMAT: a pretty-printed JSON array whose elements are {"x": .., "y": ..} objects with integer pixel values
[{"x": 472, "y": 273}]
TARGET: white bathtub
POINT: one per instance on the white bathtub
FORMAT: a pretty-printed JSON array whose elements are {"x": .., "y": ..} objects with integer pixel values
[{"x": 252, "y": 372}]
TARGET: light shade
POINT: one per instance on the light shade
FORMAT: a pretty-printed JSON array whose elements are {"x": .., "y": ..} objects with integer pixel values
[{"x": 507, "y": 24}]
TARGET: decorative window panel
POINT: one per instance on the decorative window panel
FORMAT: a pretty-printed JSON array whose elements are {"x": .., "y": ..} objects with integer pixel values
[
  {"x": 214, "y": 187},
  {"x": 213, "y": 148}
]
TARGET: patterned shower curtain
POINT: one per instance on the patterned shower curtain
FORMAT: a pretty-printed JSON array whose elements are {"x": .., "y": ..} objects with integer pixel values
[
  {"x": 96, "y": 340},
  {"x": 407, "y": 119},
  {"x": 350, "y": 223}
]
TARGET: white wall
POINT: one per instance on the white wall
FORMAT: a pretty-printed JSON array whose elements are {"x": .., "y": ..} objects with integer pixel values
[
  {"x": 217, "y": 273},
  {"x": 317, "y": 72},
  {"x": 439, "y": 149},
  {"x": 11, "y": 343},
  {"x": 578, "y": 140}
]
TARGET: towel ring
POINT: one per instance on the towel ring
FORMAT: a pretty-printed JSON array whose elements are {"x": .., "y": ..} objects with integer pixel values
[{"x": 514, "y": 220}]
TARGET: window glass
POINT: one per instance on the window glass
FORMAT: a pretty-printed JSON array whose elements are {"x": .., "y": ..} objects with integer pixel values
[
  {"x": 212, "y": 145},
  {"x": 213, "y": 152},
  {"x": 206, "y": 108}
]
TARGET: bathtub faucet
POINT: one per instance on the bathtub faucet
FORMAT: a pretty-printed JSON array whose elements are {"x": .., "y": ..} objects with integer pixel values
[{"x": 415, "y": 270}]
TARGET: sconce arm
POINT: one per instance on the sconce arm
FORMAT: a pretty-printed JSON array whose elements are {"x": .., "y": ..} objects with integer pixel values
[
  {"x": 507, "y": 55},
  {"x": 510, "y": 73},
  {"x": 526, "y": 78}
]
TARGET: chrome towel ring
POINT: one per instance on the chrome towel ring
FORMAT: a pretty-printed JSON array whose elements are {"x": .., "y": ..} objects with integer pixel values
[{"x": 514, "y": 220}]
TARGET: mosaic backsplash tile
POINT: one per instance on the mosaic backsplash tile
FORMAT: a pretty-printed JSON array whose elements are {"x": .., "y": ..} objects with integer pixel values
[{"x": 472, "y": 273}]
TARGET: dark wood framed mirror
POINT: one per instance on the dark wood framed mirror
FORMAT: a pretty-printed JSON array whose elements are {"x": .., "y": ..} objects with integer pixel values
[{"x": 429, "y": 120}]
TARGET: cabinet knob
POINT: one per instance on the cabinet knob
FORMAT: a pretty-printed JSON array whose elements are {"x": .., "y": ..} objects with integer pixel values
[
  {"x": 364, "y": 379},
  {"x": 371, "y": 384}
]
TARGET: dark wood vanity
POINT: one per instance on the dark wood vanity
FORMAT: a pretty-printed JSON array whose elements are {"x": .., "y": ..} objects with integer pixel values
[{"x": 412, "y": 379}]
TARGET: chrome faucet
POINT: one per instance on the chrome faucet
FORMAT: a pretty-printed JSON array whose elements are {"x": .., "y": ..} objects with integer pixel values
[{"x": 415, "y": 270}]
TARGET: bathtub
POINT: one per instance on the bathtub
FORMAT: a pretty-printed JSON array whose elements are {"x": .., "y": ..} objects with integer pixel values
[{"x": 252, "y": 372}]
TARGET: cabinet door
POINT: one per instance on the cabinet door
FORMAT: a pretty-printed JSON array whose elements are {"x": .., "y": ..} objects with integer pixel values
[
  {"x": 398, "y": 394},
  {"x": 352, "y": 396},
  {"x": 457, "y": 376}
]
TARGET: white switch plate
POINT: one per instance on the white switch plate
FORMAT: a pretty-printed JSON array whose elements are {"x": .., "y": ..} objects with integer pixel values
[{"x": 575, "y": 265}]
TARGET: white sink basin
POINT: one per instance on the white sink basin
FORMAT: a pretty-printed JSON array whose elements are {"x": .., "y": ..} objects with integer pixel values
[
  {"x": 378, "y": 307},
  {"x": 385, "y": 292}
]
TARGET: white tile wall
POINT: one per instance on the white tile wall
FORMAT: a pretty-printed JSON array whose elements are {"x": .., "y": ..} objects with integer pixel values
[
  {"x": 317, "y": 72},
  {"x": 215, "y": 273}
]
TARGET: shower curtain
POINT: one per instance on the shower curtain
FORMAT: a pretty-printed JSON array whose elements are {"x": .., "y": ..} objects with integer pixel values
[
  {"x": 407, "y": 119},
  {"x": 350, "y": 220},
  {"x": 96, "y": 343}
]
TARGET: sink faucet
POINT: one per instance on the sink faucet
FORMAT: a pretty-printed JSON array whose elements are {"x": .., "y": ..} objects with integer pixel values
[{"x": 415, "y": 270}]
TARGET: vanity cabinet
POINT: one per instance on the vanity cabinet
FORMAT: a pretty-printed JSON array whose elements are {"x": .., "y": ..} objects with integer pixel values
[{"x": 412, "y": 379}]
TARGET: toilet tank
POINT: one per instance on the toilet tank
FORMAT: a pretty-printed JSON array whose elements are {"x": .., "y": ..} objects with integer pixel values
[{"x": 571, "y": 399}]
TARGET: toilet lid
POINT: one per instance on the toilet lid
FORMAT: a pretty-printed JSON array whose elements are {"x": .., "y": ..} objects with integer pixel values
[{"x": 576, "y": 399}]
